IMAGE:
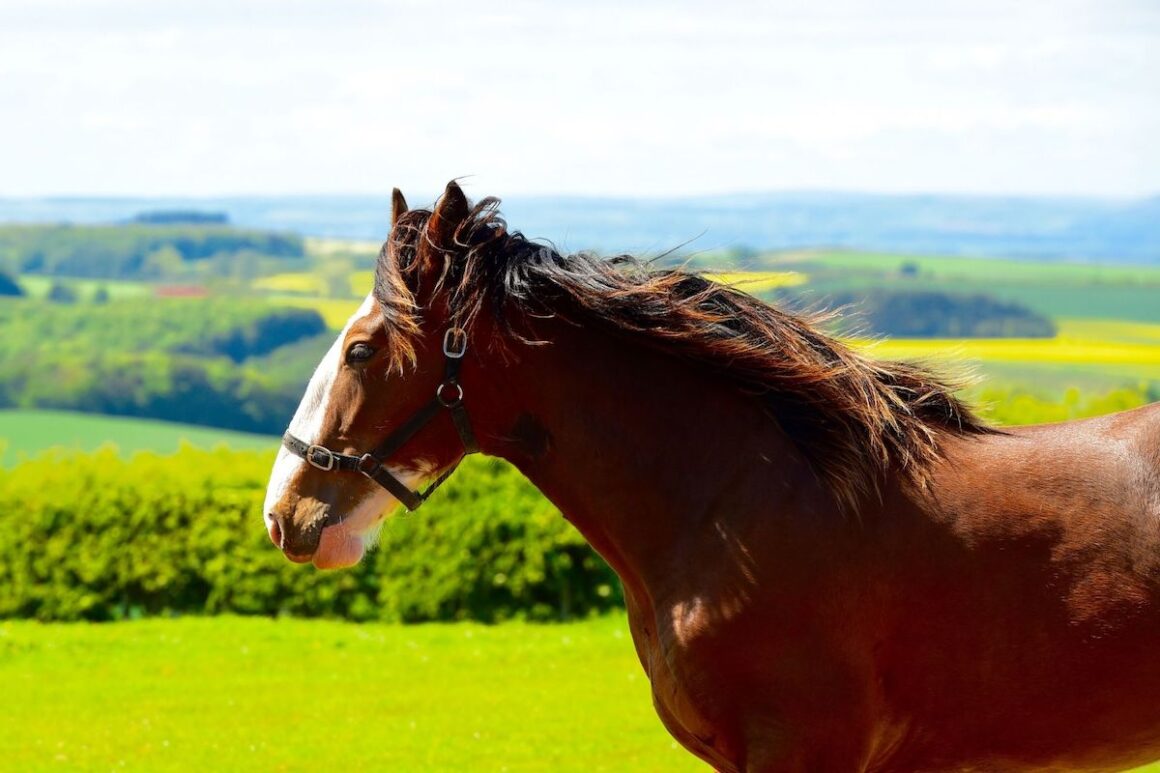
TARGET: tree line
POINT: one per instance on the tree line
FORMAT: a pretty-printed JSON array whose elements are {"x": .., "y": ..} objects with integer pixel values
[
  {"x": 197, "y": 361},
  {"x": 136, "y": 251}
]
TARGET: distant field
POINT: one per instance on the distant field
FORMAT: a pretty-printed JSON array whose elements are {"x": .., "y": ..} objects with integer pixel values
[
  {"x": 361, "y": 283},
  {"x": 1052, "y": 288},
  {"x": 757, "y": 282},
  {"x": 302, "y": 282},
  {"x": 27, "y": 433},
  {"x": 38, "y": 287},
  {"x": 259, "y": 694},
  {"x": 950, "y": 268},
  {"x": 335, "y": 311},
  {"x": 1127, "y": 346},
  {"x": 326, "y": 248}
]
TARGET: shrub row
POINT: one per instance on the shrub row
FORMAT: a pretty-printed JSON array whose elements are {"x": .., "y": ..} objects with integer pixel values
[{"x": 96, "y": 537}]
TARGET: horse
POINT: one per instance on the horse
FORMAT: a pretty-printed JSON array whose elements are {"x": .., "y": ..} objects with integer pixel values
[{"x": 829, "y": 562}]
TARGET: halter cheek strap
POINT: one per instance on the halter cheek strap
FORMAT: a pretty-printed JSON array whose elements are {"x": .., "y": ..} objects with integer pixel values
[{"x": 448, "y": 397}]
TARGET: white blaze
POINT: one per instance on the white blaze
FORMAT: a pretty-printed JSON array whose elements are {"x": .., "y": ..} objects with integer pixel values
[{"x": 307, "y": 421}]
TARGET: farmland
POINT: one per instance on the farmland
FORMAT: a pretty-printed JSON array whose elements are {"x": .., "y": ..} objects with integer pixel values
[
  {"x": 1120, "y": 350},
  {"x": 1058, "y": 289}
]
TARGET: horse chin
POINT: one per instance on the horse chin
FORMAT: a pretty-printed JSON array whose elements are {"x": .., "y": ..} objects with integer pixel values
[
  {"x": 345, "y": 543},
  {"x": 338, "y": 548}
]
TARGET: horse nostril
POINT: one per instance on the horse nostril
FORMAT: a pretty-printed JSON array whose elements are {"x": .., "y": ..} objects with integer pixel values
[{"x": 275, "y": 530}]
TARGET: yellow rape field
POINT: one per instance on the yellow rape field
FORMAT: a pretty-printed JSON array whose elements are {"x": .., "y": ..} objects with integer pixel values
[
  {"x": 335, "y": 311},
  {"x": 757, "y": 282},
  {"x": 361, "y": 283},
  {"x": 302, "y": 282},
  {"x": 1080, "y": 341}
]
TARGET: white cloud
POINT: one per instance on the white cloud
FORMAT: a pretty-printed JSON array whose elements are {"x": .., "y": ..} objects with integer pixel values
[{"x": 131, "y": 96}]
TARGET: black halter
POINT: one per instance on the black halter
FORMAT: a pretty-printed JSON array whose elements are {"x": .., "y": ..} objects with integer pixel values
[{"x": 448, "y": 396}]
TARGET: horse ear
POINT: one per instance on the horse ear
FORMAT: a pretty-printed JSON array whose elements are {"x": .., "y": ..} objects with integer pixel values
[
  {"x": 398, "y": 206},
  {"x": 450, "y": 211}
]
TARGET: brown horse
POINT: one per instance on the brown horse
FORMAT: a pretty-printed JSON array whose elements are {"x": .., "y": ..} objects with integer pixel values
[{"x": 829, "y": 563}]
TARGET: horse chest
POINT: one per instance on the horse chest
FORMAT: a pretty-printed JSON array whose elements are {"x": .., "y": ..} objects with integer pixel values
[{"x": 683, "y": 691}]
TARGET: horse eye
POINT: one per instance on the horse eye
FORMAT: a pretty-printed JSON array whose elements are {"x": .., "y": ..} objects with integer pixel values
[{"x": 359, "y": 353}]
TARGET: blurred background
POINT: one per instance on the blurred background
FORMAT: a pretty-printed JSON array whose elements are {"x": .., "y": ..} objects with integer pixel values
[{"x": 192, "y": 195}]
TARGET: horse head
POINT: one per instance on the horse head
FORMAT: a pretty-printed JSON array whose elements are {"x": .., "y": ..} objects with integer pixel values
[{"x": 385, "y": 409}]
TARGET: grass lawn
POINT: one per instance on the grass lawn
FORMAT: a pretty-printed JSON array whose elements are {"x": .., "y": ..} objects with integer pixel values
[
  {"x": 27, "y": 433},
  {"x": 259, "y": 694}
]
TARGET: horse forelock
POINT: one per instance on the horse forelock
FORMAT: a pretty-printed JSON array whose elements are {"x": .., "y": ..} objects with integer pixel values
[{"x": 855, "y": 419}]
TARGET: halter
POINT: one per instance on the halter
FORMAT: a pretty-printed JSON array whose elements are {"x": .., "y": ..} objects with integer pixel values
[{"x": 448, "y": 396}]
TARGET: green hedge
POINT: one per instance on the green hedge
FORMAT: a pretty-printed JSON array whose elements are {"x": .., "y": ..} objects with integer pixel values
[{"x": 95, "y": 537}]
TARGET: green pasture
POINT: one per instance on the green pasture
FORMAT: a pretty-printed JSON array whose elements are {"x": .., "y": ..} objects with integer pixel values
[
  {"x": 329, "y": 248},
  {"x": 234, "y": 693},
  {"x": 24, "y": 434},
  {"x": 950, "y": 268},
  {"x": 1140, "y": 303},
  {"x": 36, "y": 286},
  {"x": 1057, "y": 289}
]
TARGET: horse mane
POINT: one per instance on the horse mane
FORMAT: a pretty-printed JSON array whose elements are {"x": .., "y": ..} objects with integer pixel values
[{"x": 853, "y": 418}]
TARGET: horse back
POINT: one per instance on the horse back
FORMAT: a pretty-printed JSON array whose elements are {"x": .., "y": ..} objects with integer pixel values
[{"x": 1041, "y": 581}]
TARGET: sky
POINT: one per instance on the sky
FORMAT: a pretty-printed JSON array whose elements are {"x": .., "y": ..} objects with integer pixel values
[{"x": 217, "y": 97}]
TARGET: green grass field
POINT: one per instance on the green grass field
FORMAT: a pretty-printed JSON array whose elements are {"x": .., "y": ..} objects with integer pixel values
[
  {"x": 1054, "y": 288},
  {"x": 259, "y": 694},
  {"x": 951, "y": 268},
  {"x": 27, "y": 433},
  {"x": 38, "y": 287}
]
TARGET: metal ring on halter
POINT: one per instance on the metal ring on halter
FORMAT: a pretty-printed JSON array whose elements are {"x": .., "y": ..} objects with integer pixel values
[
  {"x": 454, "y": 401},
  {"x": 454, "y": 335}
]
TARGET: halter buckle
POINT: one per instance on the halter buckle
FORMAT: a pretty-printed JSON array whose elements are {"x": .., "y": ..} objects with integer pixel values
[
  {"x": 455, "y": 343},
  {"x": 320, "y": 457}
]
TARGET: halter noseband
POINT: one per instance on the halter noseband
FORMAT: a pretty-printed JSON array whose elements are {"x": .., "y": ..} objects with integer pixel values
[{"x": 448, "y": 396}]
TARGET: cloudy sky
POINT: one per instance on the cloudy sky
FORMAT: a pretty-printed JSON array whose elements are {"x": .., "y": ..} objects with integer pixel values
[{"x": 596, "y": 97}]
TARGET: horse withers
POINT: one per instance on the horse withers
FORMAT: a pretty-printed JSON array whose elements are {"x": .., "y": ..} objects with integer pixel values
[{"x": 829, "y": 563}]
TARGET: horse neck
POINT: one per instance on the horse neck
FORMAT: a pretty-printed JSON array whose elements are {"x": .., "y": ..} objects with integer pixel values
[{"x": 642, "y": 452}]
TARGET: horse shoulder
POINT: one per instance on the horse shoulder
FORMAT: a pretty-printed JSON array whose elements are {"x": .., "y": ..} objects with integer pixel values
[{"x": 1092, "y": 486}]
